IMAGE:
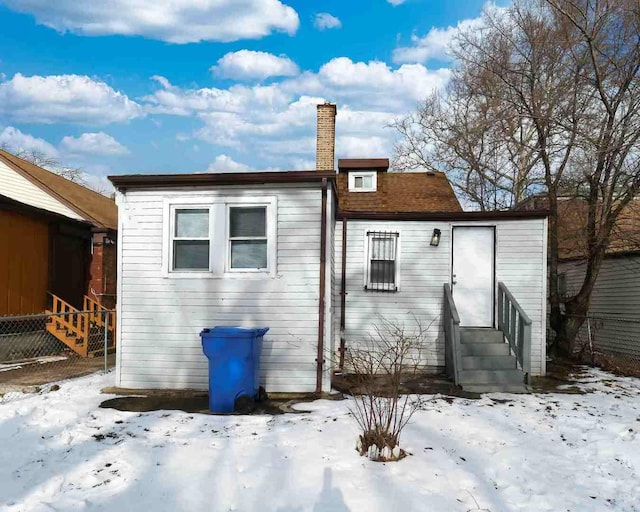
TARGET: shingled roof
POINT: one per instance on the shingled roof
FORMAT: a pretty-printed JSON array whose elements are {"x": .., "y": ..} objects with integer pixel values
[
  {"x": 416, "y": 192},
  {"x": 100, "y": 210}
]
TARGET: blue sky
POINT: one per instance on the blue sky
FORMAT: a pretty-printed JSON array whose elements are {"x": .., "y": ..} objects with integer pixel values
[{"x": 131, "y": 86}]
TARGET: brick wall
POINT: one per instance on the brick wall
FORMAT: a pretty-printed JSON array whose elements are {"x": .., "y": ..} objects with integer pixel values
[
  {"x": 326, "y": 137},
  {"x": 102, "y": 282}
]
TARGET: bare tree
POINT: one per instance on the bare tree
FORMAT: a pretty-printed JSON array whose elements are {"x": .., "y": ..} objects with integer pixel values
[
  {"x": 548, "y": 90},
  {"x": 47, "y": 162}
]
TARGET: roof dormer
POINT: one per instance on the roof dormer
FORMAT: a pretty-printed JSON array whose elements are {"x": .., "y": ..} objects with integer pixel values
[{"x": 363, "y": 172}]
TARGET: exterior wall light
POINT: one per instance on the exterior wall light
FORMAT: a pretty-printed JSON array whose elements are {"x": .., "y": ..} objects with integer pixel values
[{"x": 435, "y": 238}]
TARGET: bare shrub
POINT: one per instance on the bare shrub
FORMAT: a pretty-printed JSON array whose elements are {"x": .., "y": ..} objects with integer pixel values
[{"x": 391, "y": 356}]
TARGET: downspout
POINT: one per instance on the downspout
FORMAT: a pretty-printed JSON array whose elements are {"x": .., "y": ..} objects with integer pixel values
[
  {"x": 343, "y": 293},
  {"x": 323, "y": 272}
]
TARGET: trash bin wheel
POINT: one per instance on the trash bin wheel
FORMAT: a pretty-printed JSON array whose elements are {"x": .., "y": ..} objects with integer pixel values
[{"x": 244, "y": 404}]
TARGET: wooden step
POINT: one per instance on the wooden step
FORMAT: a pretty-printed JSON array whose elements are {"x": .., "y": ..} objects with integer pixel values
[
  {"x": 485, "y": 349},
  {"x": 474, "y": 377},
  {"x": 73, "y": 342},
  {"x": 489, "y": 362},
  {"x": 496, "y": 388},
  {"x": 480, "y": 335}
]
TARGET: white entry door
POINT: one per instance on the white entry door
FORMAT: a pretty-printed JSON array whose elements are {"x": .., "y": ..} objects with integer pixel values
[{"x": 473, "y": 275}]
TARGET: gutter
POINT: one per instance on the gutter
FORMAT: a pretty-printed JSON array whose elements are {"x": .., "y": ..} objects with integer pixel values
[
  {"x": 323, "y": 273},
  {"x": 343, "y": 294},
  {"x": 155, "y": 181},
  {"x": 444, "y": 216}
]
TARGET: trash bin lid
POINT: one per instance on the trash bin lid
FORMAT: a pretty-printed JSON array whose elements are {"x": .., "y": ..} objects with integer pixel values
[{"x": 234, "y": 332}]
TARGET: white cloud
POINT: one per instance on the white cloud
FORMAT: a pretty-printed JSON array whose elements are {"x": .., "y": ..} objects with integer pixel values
[
  {"x": 64, "y": 98},
  {"x": 175, "y": 21},
  {"x": 435, "y": 44},
  {"x": 276, "y": 123},
  {"x": 247, "y": 64},
  {"x": 237, "y": 98},
  {"x": 98, "y": 143},
  {"x": 224, "y": 163},
  {"x": 16, "y": 141},
  {"x": 365, "y": 146},
  {"x": 377, "y": 86},
  {"x": 324, "y": 21},
  {"x": 396, "y": 2},
  {"x": 91, "y": 175}
]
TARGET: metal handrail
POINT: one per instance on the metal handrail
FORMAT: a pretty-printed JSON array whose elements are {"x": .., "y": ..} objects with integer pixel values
[
  {"x": 516, "y": 327},
  {"x": 453, "y": 349}
]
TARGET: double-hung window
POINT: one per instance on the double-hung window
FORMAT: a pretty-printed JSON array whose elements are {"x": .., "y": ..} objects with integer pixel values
[
  {"x": 190, "y": 240},
  {"x": 220, "y": 236},
  {"x": 382, "y": 261},
  {"x": 248, "y": 242}
]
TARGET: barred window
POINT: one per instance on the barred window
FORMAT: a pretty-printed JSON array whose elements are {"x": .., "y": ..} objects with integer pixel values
[{"x": 382, "y": 264}]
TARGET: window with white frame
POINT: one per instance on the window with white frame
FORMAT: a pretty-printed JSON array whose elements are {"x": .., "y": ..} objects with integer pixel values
[
  {"x": 363, "y": 181},
  {"x": 248, "y": 240},
  {"x": 190, "y": 239},
  {"x": 382, "y": 261}
]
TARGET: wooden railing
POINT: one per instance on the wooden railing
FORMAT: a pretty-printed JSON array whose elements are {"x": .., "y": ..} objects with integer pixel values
[
  {"x": 516, "y": 326},
  {"x": 98, "y": 316},
  {"x": 453, "y": 349},
  {"x": 82, "y": 331},
  {"x": 66, "y": 317}
]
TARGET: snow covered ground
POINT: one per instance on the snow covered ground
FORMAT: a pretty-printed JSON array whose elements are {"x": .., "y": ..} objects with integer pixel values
[{"x": 551, "y": 452}]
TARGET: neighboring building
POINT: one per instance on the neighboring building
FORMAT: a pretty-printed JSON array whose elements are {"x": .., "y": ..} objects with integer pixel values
[
  {"x": 614, "y": 309},
  {"x": 266, "y": 249},
  {"x": 56, "y": 238}
]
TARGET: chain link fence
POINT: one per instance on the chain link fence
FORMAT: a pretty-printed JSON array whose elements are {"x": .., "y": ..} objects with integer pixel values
[
  {"x": 37, "y": 350},
  {"x": 610, "y": 342}
]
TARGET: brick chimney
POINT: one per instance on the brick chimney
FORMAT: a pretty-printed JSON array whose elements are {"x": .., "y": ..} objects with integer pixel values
[{"x": 326, "y": 133}]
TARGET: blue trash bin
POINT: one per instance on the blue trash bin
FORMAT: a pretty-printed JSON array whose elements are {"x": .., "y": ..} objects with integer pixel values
[{"x": 234, "y": 365}]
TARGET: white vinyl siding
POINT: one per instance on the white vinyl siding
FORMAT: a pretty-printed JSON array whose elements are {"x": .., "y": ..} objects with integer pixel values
[
  {"x": 161, "y": 318},
  {"x": 424, "y": 271},
  {"x": 520, "y": 263},
  {"x": 17, "y": 187}
]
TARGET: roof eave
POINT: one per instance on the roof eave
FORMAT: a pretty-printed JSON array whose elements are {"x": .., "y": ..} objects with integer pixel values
[
  {"x": 444, "y": 216},
  {"x": 146, "y": 181}
]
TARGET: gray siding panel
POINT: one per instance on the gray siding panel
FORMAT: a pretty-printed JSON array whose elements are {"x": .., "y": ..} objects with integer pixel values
[{"x": 615, "y": 303}]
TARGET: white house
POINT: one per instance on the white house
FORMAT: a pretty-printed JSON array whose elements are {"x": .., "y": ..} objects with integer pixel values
[{"x": 318, "y": 257}]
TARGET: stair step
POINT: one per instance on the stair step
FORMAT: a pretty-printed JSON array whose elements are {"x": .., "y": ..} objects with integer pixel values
[
  {"x": 488, "y": 362},
  {"x": 485, "y": 349},
  {"x": 495, "y": 388},
  {"x": 481, "y": 335},
  {"x": 474, "y": 377}
]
